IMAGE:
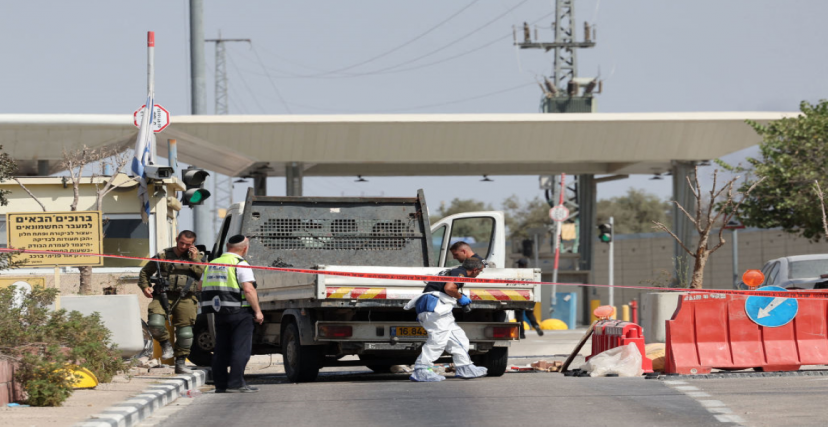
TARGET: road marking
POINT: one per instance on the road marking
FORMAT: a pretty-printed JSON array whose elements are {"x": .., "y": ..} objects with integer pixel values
[
  {"x": 717, "y": 408},
  {"x": 697, "y": 394},
  {"x": 729, "y": 418}
]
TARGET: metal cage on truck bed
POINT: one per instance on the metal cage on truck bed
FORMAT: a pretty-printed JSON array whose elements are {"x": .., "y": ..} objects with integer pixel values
[{"x": 305, "y": 232}]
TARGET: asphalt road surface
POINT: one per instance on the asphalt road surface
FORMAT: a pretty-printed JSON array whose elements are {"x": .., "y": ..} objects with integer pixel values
[
  {"x": 357, "y": 397},
  {"x": 361, "y": 399}
]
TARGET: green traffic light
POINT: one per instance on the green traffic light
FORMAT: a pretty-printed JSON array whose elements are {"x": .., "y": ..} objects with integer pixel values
[
  {"x": 605, "y": 238},
  {"x": 196, "y": 198}
]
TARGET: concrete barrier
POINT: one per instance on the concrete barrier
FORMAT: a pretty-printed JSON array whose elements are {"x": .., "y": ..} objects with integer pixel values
[
  {"x": 657, "y": 308},
  {"x": 120, "y": 314}
]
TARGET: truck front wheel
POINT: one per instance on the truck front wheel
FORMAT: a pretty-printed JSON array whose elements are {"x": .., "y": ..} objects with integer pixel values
[
  {"x": 301, "y": 361},
  {"x": 201, "y": 353},
  {"x": 495, "y": 361}
]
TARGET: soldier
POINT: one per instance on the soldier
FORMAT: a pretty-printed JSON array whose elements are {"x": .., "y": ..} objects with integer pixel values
[
  {"x": 461, "y": 251},
  {"x": 177, "y": 300}
]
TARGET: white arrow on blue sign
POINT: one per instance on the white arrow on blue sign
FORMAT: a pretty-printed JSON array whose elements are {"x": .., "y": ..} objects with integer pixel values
[{"x": 769, "y": 311}]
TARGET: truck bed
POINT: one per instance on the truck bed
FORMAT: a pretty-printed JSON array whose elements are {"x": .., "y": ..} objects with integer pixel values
[{"x": 325, "y": 290}]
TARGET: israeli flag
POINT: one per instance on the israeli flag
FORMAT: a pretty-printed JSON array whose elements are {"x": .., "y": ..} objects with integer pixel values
[{"x": 144, "y": 149}]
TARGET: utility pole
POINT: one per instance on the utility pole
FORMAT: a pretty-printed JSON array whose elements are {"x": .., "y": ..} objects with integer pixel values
[
  {"x": 202, "y": 224},
  {"x": 565, "y": 92},
  {"x": 223, "y": 184}
]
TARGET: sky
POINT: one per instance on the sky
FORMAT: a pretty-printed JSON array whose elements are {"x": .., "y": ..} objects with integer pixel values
[{"x": 328, "y": 56}]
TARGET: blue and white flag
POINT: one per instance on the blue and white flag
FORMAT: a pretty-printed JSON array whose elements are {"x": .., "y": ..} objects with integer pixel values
[{"x": 144, "y": 149}]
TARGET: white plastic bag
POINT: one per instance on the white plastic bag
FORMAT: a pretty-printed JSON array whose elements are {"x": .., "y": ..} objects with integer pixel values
[{"x": 624, "y": 361}]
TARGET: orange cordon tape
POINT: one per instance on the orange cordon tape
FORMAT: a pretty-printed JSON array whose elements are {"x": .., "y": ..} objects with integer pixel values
[{"x": 424, "y": 278}]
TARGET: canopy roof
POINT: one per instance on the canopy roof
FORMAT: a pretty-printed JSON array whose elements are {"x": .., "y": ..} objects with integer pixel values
[{"x": 404, "y": 145}]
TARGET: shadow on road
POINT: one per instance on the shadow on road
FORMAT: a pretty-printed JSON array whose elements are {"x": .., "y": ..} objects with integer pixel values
[{"x": 328, "y": 377}]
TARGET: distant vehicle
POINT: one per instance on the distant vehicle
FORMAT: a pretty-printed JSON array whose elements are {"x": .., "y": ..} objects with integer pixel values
[{"x": 795, "y": 272}]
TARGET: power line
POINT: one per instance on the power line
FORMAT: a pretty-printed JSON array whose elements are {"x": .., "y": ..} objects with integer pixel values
[
  {"x": 419, "y": 107},
  {"x": 272, "y": 83},
  {"x": 244, "y": 82},
  {"x": 393, "y": 71},
  {"x": 421, "y": 35},
  {"x": 455, "y": 41}
]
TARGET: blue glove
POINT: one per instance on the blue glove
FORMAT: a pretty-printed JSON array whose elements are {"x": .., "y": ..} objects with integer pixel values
[{"x": 464, "y": 300}]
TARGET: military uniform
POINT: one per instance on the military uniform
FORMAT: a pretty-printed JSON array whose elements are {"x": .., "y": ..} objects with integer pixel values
[{"x": 183, "y": 314}]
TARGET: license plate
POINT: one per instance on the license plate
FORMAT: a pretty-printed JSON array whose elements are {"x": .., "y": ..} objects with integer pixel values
[{"x": 408, "y": 331}]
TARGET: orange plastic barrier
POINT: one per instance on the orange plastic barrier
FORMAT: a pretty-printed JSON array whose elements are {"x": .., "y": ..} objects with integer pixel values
[
  {"x": 609, "y": 334},
  {"x": 714, "y": 331}
]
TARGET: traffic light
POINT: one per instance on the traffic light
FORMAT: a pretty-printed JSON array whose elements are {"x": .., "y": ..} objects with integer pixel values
[
  {"x": 195, "y": 194},
  {"x": 606, "y": 233},
  {"x": 527, "y": 246}
]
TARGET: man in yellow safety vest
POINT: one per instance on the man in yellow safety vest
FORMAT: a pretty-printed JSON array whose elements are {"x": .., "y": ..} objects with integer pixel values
[{"x": 229, "y": 292}]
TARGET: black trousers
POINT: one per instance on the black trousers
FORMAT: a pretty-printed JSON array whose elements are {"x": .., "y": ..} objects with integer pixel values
[
  {"x": 530, "y": 316},
  {"x": 234, "y": 342}
]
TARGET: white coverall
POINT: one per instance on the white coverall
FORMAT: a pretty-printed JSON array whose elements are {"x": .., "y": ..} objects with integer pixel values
[{"x": 443, "y": 333}]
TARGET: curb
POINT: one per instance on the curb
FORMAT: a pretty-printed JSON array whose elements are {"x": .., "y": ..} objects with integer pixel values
[{"x": 138, "y": 408}]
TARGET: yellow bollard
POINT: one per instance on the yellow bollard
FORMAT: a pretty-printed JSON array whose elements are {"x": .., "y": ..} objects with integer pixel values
[
  {"x": 538, "y": 312},
  {"x": 625, "y": 313},
  {"x": 593, "y": 304},
  {"x": 156, "y": 348}
]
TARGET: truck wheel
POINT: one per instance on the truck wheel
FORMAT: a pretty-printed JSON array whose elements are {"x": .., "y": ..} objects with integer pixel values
[
  {"x": 201, "y": 353},
  {"x": 301, "y": 361},
  {"x": 496, "y": 360}
]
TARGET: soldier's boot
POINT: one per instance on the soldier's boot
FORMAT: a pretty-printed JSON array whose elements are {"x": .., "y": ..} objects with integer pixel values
[
  {"x": 166, "y": 350},
  {"x": 181, "y": 365}
]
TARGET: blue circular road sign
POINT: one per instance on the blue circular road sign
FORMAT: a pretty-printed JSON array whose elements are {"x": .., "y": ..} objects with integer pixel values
[{"x": 771, "y": 312}]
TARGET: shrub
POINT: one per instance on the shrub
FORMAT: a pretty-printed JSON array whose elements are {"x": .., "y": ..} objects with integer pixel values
[{"x": 44, "y": 341}]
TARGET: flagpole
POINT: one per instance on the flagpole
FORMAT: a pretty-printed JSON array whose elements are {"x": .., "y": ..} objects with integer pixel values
[
  {"x": 150, "y": 61},
  {"x": 151, "y": 77}
]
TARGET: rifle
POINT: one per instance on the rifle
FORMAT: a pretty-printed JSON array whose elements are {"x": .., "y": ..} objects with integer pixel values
[{"x": 160, "y": 284}]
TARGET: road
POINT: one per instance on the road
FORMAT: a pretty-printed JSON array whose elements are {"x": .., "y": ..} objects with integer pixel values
[{"x": 359, "y": 398}]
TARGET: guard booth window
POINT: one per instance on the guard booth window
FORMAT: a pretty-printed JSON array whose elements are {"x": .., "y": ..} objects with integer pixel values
[
  {"x": 124, "y": 235},
  {"x": 477, "y": 232},
  {"x": 3, "y": 242}
]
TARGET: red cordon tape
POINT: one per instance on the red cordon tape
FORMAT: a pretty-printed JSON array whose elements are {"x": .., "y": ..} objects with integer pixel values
[{"x": 421, "y": 278}]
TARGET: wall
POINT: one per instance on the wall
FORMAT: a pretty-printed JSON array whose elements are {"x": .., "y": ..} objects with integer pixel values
[{"x": 641, "y": 259}]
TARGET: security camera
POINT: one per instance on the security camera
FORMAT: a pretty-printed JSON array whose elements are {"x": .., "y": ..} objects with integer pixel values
[{"x": 158, "y": 172}]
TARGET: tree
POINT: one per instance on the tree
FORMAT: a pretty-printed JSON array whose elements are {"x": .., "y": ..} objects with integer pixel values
[
  {"x": 76, "y": 162},
  {"x": 794, "y": 154},
  {"x": 7, "y": 168},
  {"x": 705, "y": 219},
  {"x": 523, "y": 216},
  {"x": 635, "y": 212}
]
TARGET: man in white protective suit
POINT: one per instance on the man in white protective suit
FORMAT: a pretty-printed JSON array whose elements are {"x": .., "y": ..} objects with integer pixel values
[{"x": 434, "y": 308}]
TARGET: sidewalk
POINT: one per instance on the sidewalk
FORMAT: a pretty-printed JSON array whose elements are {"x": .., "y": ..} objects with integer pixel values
[{"x": 84, "y": 403}]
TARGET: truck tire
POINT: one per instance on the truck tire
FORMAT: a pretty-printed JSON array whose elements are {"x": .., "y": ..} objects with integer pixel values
[
  {"x": 201, "y": 353},
  {"x": 301, "y": 361},
  {"x": 496, "y": 360}
]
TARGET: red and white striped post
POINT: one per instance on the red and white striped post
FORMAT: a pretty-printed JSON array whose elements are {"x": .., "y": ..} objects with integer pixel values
[{"x": 558, "y": 226}]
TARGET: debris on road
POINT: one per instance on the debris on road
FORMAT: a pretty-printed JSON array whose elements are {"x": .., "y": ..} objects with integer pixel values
[
  {"x": 624, "y": 361},
  {"x": 544, "y": 366}
]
